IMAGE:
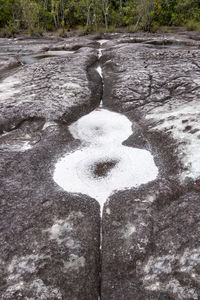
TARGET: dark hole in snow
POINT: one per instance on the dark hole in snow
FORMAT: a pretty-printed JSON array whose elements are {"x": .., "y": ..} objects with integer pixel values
[{"x": 102, "y": 169}]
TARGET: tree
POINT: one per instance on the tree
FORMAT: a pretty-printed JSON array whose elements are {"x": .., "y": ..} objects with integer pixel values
[{"x": 30, "y": 10}]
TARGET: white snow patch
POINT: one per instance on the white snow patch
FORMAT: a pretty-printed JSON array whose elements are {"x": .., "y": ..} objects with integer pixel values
[
  {"x": 100, "y": 52},
  {"x": 99, "y": 70},
  {"x": 101, "y": 127},
  {"x": 102, "y": 133},
  {"x": 49, "y": 124},
  {"x": 101, "y": 42}
]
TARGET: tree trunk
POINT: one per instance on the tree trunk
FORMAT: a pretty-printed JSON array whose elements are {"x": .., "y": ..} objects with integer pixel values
[{"x": 104, "y": 9}]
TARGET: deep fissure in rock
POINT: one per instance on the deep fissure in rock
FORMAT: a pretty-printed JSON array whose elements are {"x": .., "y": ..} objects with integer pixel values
[{"x": 101, "y": 165}]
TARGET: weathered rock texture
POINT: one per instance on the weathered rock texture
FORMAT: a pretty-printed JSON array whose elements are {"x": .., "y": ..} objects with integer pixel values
[
  {"x": 150, "y": 236},
  {"x": 151, "y": 250},
  {"x": 49, "y": 239},
  {"x": 162, "y": 85},
  {"x": 151, "y": 246},
  {"x": 7, "y": 63},
  {"x": 56, "y": 89}
]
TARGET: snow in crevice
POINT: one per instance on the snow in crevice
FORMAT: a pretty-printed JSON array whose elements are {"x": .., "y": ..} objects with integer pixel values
[
  {"x": 102, "y": 165},
  {"x": 48, "y": 124},
  {"x": 101, "y": 42},
  {"x": 102, "y": 133},
  {"x": 100, "y": 72}
]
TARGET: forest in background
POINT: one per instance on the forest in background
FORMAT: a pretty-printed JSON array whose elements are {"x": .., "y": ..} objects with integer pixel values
[{"x": 38, "y": 16}]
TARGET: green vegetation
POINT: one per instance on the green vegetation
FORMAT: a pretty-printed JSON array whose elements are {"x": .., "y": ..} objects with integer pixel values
[{"x": 36, "y": 16}]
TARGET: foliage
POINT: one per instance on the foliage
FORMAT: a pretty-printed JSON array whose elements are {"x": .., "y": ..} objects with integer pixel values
[
  {"x": 30, "y": 12},
  {"x": 192, "y": 26},
  {"x": 10, "y": 29},
  {"x": 93, "y": 15}
]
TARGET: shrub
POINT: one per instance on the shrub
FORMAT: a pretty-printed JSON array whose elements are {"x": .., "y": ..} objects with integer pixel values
[
  {"x": 192, "y": 25},
  {"x": 10, "y": 30}
]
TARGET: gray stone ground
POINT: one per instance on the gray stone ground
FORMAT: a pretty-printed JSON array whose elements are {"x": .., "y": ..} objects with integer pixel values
[
  {"x": 151, "y": 246},
  {"x": 150, "y": 235},
  {"x": 49, "y": 239}
]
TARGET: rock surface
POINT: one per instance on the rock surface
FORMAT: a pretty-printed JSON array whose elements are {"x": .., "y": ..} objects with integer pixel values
[
  {"x": 49, "y": 238},
  {"x": 150, "y": 235},
  {"x": 56, "y": 89}
]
